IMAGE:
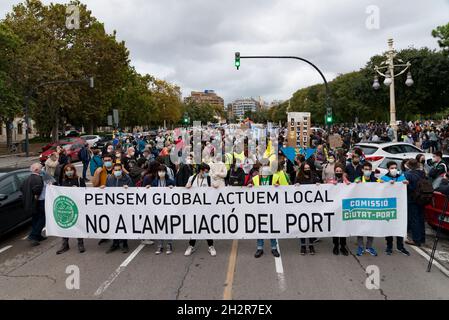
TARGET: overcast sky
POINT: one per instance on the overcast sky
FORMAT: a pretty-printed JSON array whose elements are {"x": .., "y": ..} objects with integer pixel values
[{"x": 192, "y": 42}]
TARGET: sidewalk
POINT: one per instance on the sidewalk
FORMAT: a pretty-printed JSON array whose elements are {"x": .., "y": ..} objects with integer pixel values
[{"x": 17, "y": 161}]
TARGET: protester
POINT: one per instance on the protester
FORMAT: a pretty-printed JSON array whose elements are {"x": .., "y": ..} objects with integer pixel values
[
  {"x": 354, "y": 169},
  {"x": 438, "y": 170},
  {"x": 96, "y": 162},
  {"x": 393, "y": 177},
  {"x": 163, "y": 182},
  {"x": 85, "y": 157},
  {"x": 368, "y": 176},
  {"x": 307, "y": 176},
  {"x": 340, "y": 177},
  {"x": 71, "y": 179},
  {"x": 31, "y": 189},
  {"x": 200, "y": 180},
  {"x": 52, "y": 163},
  {"x": 265, "y": 178},
  {"x": 416, "y": 223},
  {"x": 118, "y": 179},
  {"x": 329, "y": 169}
]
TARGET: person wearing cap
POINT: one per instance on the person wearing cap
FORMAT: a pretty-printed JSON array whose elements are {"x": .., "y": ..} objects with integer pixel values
[{"x": 264, "y": 178}]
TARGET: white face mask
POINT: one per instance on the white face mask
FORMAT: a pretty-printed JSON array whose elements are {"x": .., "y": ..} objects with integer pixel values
[
  {"x": 331, "y": 160},
  {"x": 367, "y": 173},
  {"x": 161, "y": 174},
  {"x": 394, "y": 172}
]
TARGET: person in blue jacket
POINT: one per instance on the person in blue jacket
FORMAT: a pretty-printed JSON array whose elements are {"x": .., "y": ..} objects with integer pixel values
[
  {"x": 393, "y": 176},
  {"x": 163, "y": 181}
]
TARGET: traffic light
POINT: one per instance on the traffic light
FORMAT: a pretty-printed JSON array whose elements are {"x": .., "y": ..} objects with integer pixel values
[
  {"x": 329, "y": 116},
  {"x": 237, "y": 60},
  {"x": 186, "y": 119}
]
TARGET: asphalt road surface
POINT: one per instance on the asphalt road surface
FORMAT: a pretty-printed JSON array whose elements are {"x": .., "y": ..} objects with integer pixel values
[{"x": 38, "y": 273}]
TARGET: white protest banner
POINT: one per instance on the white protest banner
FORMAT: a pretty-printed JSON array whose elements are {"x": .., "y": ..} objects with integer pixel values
[{"x": 371, "y": 209}]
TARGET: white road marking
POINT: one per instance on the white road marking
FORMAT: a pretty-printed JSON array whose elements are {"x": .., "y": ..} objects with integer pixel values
[
  {"x": 25, "y": 238},
  {"x": 5, "y": 248},
  {"x": 435, "y": 263},
  {"x": 280, "y": 271},
  {"x": 119, "y": 270},
  {"x": 43, "y": 230}
]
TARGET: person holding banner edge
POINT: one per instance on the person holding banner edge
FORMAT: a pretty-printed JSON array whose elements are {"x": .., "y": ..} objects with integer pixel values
[
  {"x": 163, "y": 181},
  {"x": 266, "y": 179},
  {"x": 340, "y": 177},
  {"x": 71, "y": 179},
  {"x": 118, "y": 179},
  {"x": 200, "y": 180}
]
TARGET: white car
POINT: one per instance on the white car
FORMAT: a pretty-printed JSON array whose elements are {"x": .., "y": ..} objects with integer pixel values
[
  {"x": 376, "y": 153},
  {"x": 91, "y": 139}
]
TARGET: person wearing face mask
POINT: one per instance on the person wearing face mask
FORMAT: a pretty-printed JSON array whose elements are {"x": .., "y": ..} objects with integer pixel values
[
  {"x": 117, "y": 179},
  {"x": 307, "y": 176},
  {"x": 354, "y": 169},
  {"x": 340, "y": 177},
  {"x": 101, "y": 174},
  {"x": 236, "y": 175},
  {"x": 438, "y": 170},
  {"x": 162, "y": 181},
  {"x": 281, "y": 178},
  {"x": 108, "y": 149},
  {"x": 200, "y": 180},
  {"x": 71, "y": 179},
  {"x": 265, "y": 178},
  {"x": 329, "y": 169},
  {"x": 393, "y": 176},
  {"x": 218, "y": 173},
  {"x": 367, "y": 176},
  {"x": 130, "y": 156}
]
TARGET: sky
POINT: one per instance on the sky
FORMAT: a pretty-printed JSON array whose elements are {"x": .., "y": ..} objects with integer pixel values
[{"x": 192, "y": 42}]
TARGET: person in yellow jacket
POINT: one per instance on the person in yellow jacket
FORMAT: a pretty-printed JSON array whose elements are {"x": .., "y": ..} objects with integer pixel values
[{"x": 264, "y": 179}]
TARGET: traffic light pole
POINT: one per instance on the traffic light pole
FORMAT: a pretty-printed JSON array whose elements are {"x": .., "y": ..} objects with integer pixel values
[{"x": 329, "y": 111}]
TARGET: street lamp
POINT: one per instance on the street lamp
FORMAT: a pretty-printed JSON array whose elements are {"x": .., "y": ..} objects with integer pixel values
[
  {"x": 389, "y": 75},
  {"x": 27, "y": 103}
]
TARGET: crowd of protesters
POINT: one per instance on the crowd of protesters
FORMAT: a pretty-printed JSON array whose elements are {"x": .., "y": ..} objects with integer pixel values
[{"x": 136, "y": 160}]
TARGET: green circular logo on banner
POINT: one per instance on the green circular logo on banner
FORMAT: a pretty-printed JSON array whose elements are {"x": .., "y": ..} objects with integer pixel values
[{"x": 65, "y": 212}]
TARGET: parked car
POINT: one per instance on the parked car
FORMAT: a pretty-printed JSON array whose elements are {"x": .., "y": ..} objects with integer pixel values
[
  {"x": 72, "y": 133},
  {"x": 12, "y": 213},
  {"x": 91, "y": 139},
  {"x": 377, "y": 152},
  {"x": 72, "y": 148},
  {"x": 434, "y": 210},
  {"x": 102, "y": 142},
  {"x": 62, "y": 141}
]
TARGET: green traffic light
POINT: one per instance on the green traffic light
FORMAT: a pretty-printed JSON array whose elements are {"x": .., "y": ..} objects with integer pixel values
[{"x": 237, "y": 60}]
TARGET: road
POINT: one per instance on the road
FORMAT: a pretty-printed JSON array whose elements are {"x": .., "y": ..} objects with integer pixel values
[{"x": 38, "y": 273}]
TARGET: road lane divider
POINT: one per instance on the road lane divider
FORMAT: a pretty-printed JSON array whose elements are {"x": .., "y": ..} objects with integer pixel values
[
  {"x": 119, "y": 270},
  {"x": 435, "y": 263},
  {"x": 5, "y": 248},
  {"x": 227, "y": 294}
]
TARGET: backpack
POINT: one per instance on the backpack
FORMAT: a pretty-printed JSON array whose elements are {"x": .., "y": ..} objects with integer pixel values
[
  {"x": 234, "y": 178},
  {"x": 423, "y": 193}
]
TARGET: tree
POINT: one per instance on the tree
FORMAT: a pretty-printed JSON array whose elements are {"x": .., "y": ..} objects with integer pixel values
[
  {"x": 9, "y": 95},
  {"x": 442, "y": 33}
]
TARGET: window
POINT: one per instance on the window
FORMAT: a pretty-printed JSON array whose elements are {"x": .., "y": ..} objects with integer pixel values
[
  {"x": 367, "y": 150},
  {"x": 8, "y": 186},
  {"x": 394, "y": 149},
  {"x": 22, "y": 176},
  {"x": 1, "y": 128},
  {"x": 19, "y": 128},
  {"x": 410, "y": 149}
]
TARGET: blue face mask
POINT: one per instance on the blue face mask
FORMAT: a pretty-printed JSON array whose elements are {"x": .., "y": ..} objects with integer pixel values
[
  {"x": 117, "y": 174},
  {"x": 206, "y": 174},
  {"x": 108, "y": 164}
]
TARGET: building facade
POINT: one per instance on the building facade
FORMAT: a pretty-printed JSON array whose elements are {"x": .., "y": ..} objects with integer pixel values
[
  {"x": 18, "y": 130},
  {"x": 242, "y": 106},
  {"x": 206, "y": 97},
  {"x": 299, "y": 129}
]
